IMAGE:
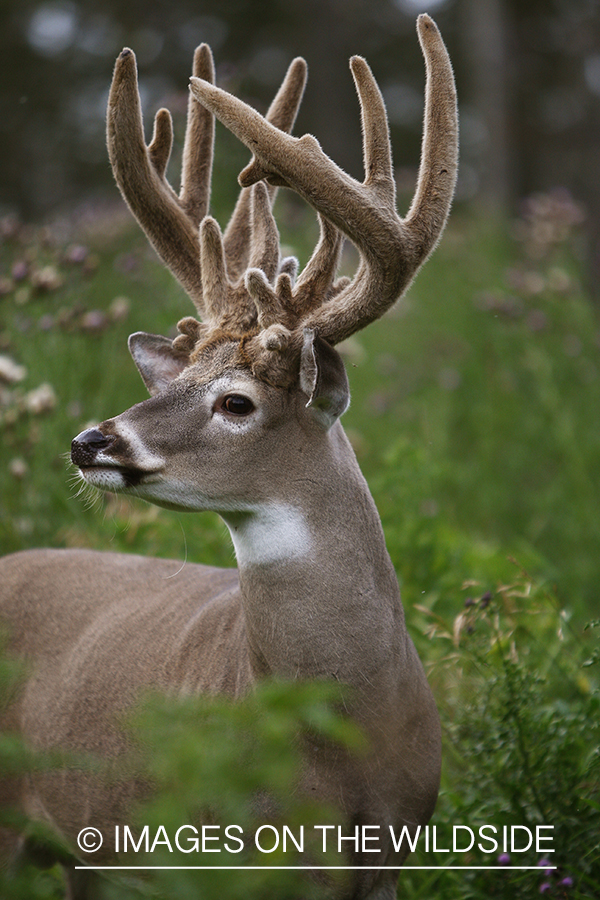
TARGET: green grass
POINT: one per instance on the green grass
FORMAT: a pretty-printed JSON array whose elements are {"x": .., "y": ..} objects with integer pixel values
[
  {"x": 483, "y": 385},
  {"x": 493, "y": 391},
  {"x": 474, "y": 417}
]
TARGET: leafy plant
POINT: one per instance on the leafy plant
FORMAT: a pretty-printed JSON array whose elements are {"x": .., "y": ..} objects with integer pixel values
[
  {"x": 522, "y": 738},
  {"x": 474, "y": 418},
  {"x": 235, "y": 768},
  {"x": 24, "y": 880}
]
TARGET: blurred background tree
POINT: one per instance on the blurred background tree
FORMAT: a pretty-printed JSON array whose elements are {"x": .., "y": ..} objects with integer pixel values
[{"x": 528, "y": 75}]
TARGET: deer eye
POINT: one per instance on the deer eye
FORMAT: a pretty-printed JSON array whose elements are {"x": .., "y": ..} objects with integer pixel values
[{"x": 237, "y": 405}]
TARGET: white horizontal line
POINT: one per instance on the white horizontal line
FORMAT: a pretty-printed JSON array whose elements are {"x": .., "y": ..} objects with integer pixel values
[{"x": 305, "y": 868}]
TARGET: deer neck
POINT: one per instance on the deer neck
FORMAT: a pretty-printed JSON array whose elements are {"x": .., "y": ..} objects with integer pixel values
[{"x": 319, "y": 591}]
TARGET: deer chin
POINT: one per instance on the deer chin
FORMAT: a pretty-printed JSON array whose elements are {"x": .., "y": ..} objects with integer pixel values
[
  {"x": 148, "y": 485},
  {"x": 113, "y": 478}
]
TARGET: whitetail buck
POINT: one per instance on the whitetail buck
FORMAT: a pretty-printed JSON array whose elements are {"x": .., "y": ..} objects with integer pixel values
[{"x": 243, "y": 419}]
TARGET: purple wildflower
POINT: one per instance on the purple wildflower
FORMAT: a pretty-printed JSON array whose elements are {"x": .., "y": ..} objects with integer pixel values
[
  {"x": 77, "y": 253},
  {"x": 486, "y": 600}
]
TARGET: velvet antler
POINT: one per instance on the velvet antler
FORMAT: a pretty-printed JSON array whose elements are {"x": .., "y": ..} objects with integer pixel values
[
  {"x": 391, "y": 249},
  {"x": 172, "y": 221}
]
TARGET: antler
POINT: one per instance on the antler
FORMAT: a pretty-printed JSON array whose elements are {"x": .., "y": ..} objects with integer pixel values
[
  {"x": 172, "y": 221},
  {"x": 391, "y": 249}
]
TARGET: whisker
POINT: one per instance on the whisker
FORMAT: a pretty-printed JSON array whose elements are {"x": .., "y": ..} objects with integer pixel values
[{"x": 80, "y": 489}]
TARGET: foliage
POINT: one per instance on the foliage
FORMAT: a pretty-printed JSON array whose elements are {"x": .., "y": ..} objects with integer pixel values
[
  {"x": 27, "y": 882},
  {"x": 229, "y": 766},
  {"x": 522, "y": 739},
  {"x": 474, "y": 402},
  {"x": 221, "y": 762},
  {"x": 474, "y": 419},
  {"x": 66, "y": 310},
  {"x": 520, "y": 712},
  {"x": 485, "y": 388}
]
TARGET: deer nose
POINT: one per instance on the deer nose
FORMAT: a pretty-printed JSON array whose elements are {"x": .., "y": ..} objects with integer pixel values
[{"x": 87, "y": 445}]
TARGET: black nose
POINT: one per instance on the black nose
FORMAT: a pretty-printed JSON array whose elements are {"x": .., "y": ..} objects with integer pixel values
[{"x": 87, "y": 444}]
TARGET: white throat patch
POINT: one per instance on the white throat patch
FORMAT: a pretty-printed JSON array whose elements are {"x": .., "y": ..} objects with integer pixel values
[{"x": 268, "y": 534}]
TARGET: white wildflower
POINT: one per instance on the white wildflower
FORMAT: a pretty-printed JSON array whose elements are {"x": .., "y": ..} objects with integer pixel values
[
  {"x": 18, "y": 468},
  {"x": 10, "y": 371},
  {"x": 40, "y": 400}
]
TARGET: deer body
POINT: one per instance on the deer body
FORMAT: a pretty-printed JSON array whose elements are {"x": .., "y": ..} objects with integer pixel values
[
  {"x": 243, "y": 419},
  {"x": 204, "y": 629}
]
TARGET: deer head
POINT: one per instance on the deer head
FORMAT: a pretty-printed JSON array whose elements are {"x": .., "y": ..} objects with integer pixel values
[{"x": 263, "y": 331}]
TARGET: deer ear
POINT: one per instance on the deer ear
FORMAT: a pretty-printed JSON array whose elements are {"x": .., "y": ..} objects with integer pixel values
[
  {"x": 156, "y": 360},
  {"x": 323, "y": 379}
]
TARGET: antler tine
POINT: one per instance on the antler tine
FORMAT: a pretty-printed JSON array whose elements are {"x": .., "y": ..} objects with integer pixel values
[
  {"x": 287, "y": 304},
  {"x": 214, "y": 270},
  {"x": 391, "y": 250},
  {"x": 315, "y": 282},
  {"x": 170, "y": 222},
  {"x": 264, "y": 246},
  {"x": 377, "y": 148},
  {"x": 196, "y": 170},
  {"x": 282, "y": 114},
  {"x": 439, "y": 152}
]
